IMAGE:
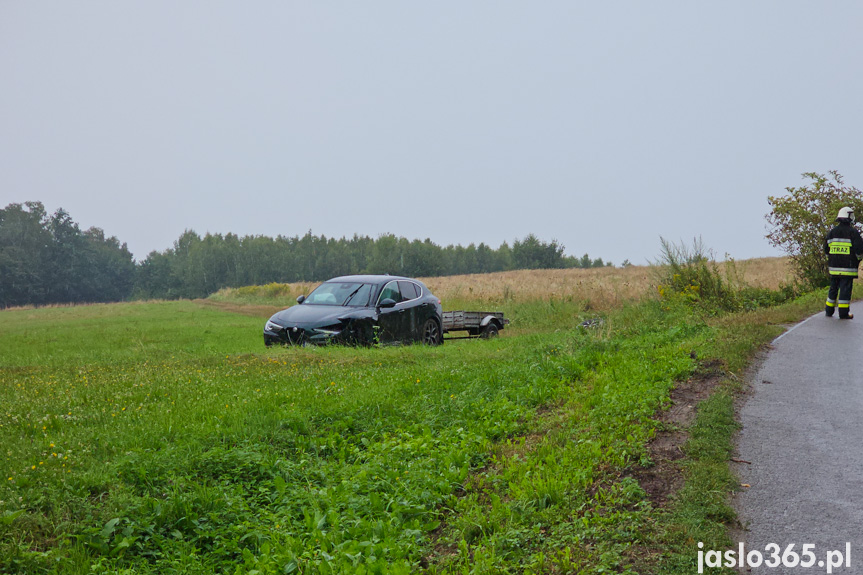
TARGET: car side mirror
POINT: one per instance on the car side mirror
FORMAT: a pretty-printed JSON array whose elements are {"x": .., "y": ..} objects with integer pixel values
[
  {"x": 387, "y": 302},
  {"x": 301, "y": 299}
]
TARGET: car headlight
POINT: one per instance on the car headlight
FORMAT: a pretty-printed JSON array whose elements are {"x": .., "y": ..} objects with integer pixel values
[
  {"x": 273, "y": 326},
  {"x": 330, "y": 330}
]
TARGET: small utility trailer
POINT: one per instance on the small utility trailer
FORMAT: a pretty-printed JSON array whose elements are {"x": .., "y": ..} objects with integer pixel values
[{"x": 484, "y": 324}]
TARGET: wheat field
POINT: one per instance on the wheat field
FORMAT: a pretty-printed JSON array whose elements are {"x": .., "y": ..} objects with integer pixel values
[
  {"x": 600, "y": 288},
  {"x": 603, "y": 288}
]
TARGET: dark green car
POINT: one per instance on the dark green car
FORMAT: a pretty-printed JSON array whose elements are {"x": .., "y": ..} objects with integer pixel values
[{"x": 360, "y": 310}]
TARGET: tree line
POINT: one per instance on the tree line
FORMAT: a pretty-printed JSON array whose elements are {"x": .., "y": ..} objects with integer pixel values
[{"x": 48, "y": 259}]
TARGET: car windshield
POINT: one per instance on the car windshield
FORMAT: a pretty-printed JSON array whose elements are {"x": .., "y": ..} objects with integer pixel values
[{"x": 340, "y": 293}]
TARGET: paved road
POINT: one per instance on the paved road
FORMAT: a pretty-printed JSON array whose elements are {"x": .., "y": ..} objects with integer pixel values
[{"x": 803, "y": 432}]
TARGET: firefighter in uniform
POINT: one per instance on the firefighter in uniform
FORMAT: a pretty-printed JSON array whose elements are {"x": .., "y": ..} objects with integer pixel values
[{"x": 844, "y": 249}]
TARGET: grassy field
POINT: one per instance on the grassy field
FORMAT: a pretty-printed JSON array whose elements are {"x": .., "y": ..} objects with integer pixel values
[{"x": 161, "y": 437}]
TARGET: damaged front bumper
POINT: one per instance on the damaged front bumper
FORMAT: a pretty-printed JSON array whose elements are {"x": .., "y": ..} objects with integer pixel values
[
  {"x": 298, "y": 335},
  {"x": 355, "y": 328}
]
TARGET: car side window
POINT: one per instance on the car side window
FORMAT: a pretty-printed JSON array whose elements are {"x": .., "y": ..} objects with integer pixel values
[
  {"x": 408, "y": 290},
  {"x": 391, "y": 291}
]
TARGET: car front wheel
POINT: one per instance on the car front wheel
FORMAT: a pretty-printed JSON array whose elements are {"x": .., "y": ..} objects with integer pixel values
[{"x": 431, "y": 332}]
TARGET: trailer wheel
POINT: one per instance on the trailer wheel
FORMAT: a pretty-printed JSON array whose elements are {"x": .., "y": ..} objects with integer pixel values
[
  {"x": 431, "y": 332},
  {"x": 489, "y": 331}
]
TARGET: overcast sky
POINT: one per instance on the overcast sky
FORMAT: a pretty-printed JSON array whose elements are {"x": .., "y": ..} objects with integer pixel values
[{"x": 604, "y": 125}]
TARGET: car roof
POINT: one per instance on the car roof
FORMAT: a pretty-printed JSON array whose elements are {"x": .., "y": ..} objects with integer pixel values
[{"x": 370, "y": 279}]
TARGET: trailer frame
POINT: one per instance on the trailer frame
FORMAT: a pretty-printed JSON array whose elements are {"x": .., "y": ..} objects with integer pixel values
[{"x": 481, "y": 324}]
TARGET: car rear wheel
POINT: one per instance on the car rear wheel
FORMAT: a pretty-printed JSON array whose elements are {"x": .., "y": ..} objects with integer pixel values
[{"x": 431, "y": 332}]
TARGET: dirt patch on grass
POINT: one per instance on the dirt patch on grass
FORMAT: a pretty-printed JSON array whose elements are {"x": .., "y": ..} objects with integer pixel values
[{"x": 665, "y": 477}]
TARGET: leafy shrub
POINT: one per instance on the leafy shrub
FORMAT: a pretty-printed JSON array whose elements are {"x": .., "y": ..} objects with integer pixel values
[
  {"x": 691, "y": 275},
  {"x": 801, "y": 220}
]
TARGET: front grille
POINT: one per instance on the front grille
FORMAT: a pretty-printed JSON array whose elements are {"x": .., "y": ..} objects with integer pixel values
[{"x": 293, "y": 337}]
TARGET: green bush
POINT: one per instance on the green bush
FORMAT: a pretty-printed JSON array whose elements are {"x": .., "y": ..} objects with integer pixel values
[
  {"x": 691, "y": 275},
  {"x": 800, "y": 221}
]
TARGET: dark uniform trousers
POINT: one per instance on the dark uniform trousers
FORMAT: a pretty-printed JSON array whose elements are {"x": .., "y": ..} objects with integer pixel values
[{"x": 839, "y": 295}]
